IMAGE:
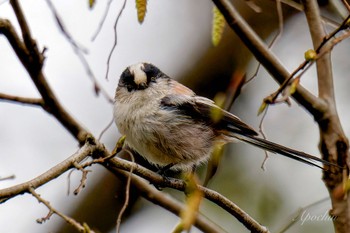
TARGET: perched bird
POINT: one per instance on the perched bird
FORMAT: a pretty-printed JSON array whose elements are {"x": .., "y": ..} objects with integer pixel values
[{"x": 173, "y": 128}]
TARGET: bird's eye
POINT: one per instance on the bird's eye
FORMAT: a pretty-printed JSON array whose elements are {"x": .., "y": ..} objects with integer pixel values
[
  {"x": 151, "y": 71},
  {"x": 130, "y": 88}
]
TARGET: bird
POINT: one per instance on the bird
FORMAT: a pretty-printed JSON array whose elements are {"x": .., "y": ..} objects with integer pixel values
[{"x": 174, "y": 129}]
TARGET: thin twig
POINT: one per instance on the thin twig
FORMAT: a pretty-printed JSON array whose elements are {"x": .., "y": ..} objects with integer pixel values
[
  {"x": 11, "y": 177},
  {"x": 104, "y": 130},
  {"x": 169, "y": 203},
  {"x": 93, "y": 148},
  {"x": 79, "y": 51},
  {"x": 102, "y": 20},
  {"x": 211, "y": 195},
  {"x": 83, "y": 178},
  {"x": 52, "y": 173},
  {"x": 333, "y": 43},
  {"x": 64, "y": 31},
  {"x": 32, "y": 60},
  {"x": 274, "y": 39},
  {"x": 115, "y": 37},
  {"x": 298, "y": 214},
  {"x": 266, "y": 57},
  {"x": 261, "y": 130},
  {"x": 255, "y": 74},
  {"x": 297, "y": 6},
  {"x": 280, "y": 23},
  {"x": 307, "y": 63},
  {"x": 127, "y": 193},
  {"x": 52, "y": 211},
  {"x": 99, "y": 150}
]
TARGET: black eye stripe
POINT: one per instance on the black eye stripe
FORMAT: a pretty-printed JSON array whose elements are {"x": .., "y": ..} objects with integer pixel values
[{"x": 151, "y": 71}]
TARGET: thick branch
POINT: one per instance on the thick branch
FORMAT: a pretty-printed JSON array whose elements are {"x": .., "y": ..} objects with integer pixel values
[
  {"x": 262, "y": 53},
  {"x": 27, "y": 37},
  {"x": 333, "y": 142},
  {"x": 323, "y": 64},
  {"x": 96, "y": 150},
  {"x": 211, "y": 195},
  {"x": 32, "y": 60},
  {"x": 167, "y": 202}
]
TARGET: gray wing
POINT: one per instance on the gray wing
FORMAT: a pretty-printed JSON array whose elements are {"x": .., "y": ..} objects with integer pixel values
[{"x": 202, "y": 110}]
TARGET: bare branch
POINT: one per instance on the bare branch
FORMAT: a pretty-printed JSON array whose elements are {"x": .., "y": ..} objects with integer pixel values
[
  {"x": 52, "y": 173},
  {"x": 275, "y": 38},
  {"x": 104, "y": 130},
  {"x": 102, "y": 20},
  {"x": 98, "y": 150},
  {"x": 164, "y": 200},
  {"x": 334, "y": 144},
  {"x": 79, "y": 51},
  {"x": 29, "y": 42},
  {"x": 261, "y": 130},
  {"x": 323, "y": 48},
  {"x": 324, "y": 66},
  {"x": 64, "y": 31},
  {"x": 52, "y": 211},
  {"x": 22, "y": 100},
  {"x": 211, "y": 195},
  {"x": 7, "y": 177},
  {"x": 15, "y": 41},
  {"x": 83, "y": 178},
  {"x": 32, "y": 60},
  {"x": 127, "y": 194},
  {"x": 266, "y": 57},
  {"x": 115, "y": 37},
  {"x": 333, "y": 43}
]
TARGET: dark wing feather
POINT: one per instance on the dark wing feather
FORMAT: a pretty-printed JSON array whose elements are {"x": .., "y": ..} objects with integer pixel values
[{"x": 202, "y": 109}]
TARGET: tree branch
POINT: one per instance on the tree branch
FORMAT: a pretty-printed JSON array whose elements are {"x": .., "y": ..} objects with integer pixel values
[
  {"x": 334, "y": 145},
  {"x": 271, "y": 63},
  {"x": 32, "y": 60},
  {"x": 29, "y": 42},
  {"x": 323, "y": 64},
  {"x": 211, "y": 195},
  {"x": 97, "y": 150},
  {"x": 79, "y": 51},
  {"x": 51, "y": 105},
  {"x": 159, "y": 198},
  {"x": 69, "y": 220},
  {"x": 22, "y": 100},
  {"x": 52, "y": 173}
]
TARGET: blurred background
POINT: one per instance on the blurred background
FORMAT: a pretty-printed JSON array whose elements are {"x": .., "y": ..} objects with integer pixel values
[{"x": 176, "y": 37}]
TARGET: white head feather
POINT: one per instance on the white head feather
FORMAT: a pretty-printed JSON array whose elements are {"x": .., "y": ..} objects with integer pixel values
[{"x": 139, "y": 75}]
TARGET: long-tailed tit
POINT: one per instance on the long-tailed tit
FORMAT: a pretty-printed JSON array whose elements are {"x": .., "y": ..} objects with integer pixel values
[{"x": 172, "y": 127}]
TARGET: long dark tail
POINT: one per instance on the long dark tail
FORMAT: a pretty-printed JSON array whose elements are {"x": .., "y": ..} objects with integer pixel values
[{"x": 279, "y": 149}]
